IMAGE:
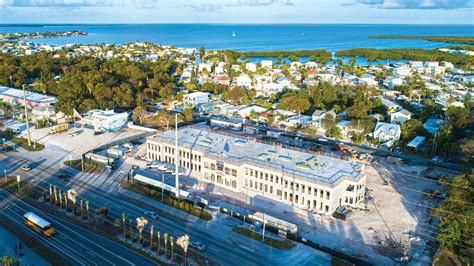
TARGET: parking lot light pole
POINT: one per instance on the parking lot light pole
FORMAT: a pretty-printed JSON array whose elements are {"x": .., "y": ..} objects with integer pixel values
[{"x": 5, "y": 171}]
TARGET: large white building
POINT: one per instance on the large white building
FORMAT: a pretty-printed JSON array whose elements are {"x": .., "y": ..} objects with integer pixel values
[
  {"x": 195, "y": 98},
  {"x": 301, "y": 178},
  {"x": 107, "y": 120}
]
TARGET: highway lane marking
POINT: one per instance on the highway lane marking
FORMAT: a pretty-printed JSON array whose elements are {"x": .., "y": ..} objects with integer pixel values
[
  {"x": 57, "y": 221},
  {"x": 167, "y": 222},
  {"x": 48, "y": 241}
]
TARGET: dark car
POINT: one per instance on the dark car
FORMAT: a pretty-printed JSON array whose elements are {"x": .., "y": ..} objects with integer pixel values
[
  {"x": 98, "y": 133},
  {"x": 64, "y": 177}
]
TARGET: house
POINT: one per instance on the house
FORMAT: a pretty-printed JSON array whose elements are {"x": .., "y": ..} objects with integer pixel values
[
  {"x": 387, "y": 132},
  {"x": 46, "y": 113},
  {"x": 206, "y": 66},
  {"x": 320, "y": 115},
  {"x": 193, "y": 99},
  {"x": 219, "y": 70},
  {"x": 344, "y": 127},
  {"x": 310, "y": 64},
  {"x": 284, "y": 82},
  {"x": 432, "y": 125},
  {"x": 391, "y": 106},
  {"x": 311, "y": 73},
  {"x": 233, "y": 123},
  {"x": 417, "y": 142},
  {"x": 400, "y": 117},
  {"x": 254, "y": 109},
  {"x": 252, "y": 67},
  {"x": 393, "y": 81},
  {"x": 243, "y": 81},
  {"x": 209, "y": 106},
  {"x": 267, "y": 63},
  {"x": 223, "y": 80},
  {"x": 268, "y": 89},
  {"x": 296, "y": 75},
  {"x": 297, "y": 120}
]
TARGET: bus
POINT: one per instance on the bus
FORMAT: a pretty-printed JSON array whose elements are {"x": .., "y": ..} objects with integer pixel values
[{"x": 38, "y": 224}]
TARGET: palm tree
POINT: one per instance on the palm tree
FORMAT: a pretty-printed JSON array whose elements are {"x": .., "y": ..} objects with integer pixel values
[
  {"x": 7, "y": 261},
  {"x": 60, "y": 199},
  {"x": 151, "y": 235},
  {"x": 87, "y": 209},
  {"x": 141, "y": 223},
  {"x": 183, "y": 242},
  {"x": 165, "y": 236},
  {"x": 55, "y": 195},
  {"x": 172, "y": 247},
  {"x": 123, "y": 222},
  {"x": 158, "y": 235},
  {"x": 65, "y": 201},
  {"x": 131, "y": 229},
  {"x": 50, "y": 193},
  {"x": 81, "y": 208}
]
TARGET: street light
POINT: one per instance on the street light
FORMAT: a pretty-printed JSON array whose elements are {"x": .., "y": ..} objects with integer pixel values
[{"x": 5, "y": 171}]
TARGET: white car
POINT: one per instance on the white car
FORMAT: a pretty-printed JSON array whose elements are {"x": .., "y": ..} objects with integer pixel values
[
  {"x": 25, "y": 168},
  {"x": 72, "y": 134},
  {"x": 197, "y": 245}
]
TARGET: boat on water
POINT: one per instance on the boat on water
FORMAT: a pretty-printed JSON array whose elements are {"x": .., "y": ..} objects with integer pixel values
[{"x": 233, "y": 34}]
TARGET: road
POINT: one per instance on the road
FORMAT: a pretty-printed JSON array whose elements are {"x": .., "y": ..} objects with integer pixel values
[
  {"x": 224, "y": 246},
  {"x": 77, "y": 245}
]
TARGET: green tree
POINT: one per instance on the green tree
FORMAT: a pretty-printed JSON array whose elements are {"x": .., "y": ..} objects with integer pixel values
[{"x": 188, "y": 114}]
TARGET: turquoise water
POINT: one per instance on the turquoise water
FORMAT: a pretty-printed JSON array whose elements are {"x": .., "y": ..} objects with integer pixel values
[{"x": 252, "y": 37}]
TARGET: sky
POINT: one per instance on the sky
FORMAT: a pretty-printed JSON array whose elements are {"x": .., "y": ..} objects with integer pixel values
[{"x": 238, "y": 11}]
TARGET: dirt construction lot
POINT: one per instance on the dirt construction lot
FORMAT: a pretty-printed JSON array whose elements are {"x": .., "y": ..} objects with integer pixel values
[{"x": 394, "y": 223}]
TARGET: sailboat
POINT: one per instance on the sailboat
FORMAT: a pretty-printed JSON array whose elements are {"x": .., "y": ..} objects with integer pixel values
[{"x": 233, "y": 34}]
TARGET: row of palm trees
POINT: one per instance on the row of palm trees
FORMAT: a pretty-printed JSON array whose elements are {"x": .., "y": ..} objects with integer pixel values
[
  {"x": 8, "y": 261},
  {"x": 140, "y": 224},
  {"x": 61, "y": 199}
]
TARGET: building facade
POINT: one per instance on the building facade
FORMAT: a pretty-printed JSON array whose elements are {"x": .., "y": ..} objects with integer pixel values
[{"x": 302, "y": 179}]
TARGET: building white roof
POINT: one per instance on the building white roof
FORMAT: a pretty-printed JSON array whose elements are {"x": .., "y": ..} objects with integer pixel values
[
  {"x": 30, "y": 96},
  {"x": 301, "y": 164}
]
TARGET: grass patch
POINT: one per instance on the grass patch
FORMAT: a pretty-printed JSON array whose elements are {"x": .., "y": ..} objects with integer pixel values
[
  {"x": 280, "y": 244},
  {"x": 446, "y": 258},
  {"x": 168, "y": 200},
  {"x": 77, "y": 164},
  {"x": 24, "y": 144}
]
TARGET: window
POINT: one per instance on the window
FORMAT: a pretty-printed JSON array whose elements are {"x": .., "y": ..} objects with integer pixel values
[
  {"x": 206, "y": 165},
  {"x": 328, "y": 194},
  {"x": 251, "y": 172},
  {"x": 246, "y": 171},
  {"x": 246, "y": 182},
  {"x": 213, "y": 167},
  {"x": 271, "y": 189},
  {"x": 227, "y": 170},
  {"x": 321, "y": 193},
  {"x": 261, "y": 187},
  {"x": 234, "y": 172},
  {"x": 271, "y": 178},
  {"x": 327, "y": 208},
  {"x": 276, "y": 179},
  {"x": 266, "y": 187},
  {"x": 251, "y": 184}
]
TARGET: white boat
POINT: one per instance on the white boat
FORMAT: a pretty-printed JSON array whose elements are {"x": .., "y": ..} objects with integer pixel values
[{"x": 233, "y": 34}]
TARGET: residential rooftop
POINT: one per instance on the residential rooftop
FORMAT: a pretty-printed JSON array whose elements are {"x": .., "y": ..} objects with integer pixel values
[
  {"x": 30, "y": 96},
  {"x": 301, "y": 164}
]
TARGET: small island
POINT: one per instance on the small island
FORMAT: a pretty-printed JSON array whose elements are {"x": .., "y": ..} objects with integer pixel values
[
  {"x": 40, "y": 35},
  {"x": 447, "y": 39}
]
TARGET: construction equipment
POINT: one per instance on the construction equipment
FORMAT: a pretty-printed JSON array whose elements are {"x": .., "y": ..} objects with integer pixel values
[{"x": 59, "y": 129}]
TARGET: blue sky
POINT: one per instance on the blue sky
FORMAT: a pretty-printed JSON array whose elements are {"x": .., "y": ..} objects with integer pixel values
[{"x": 238, "y": 11}]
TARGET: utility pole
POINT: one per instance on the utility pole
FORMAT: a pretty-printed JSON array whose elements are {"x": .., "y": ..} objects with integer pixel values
[
  {"x": 26, "y": 116},
  {"x": 263, "y": 235},
  {"x": 176, "y": 157},
  {"x": 162, "y": 186}
]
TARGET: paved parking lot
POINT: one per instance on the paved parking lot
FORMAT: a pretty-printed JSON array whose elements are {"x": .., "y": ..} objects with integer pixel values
[{"x": 83, "y": 142}]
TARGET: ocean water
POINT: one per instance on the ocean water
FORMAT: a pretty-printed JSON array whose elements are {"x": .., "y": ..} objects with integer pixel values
[{"x": 251, "y": 37}]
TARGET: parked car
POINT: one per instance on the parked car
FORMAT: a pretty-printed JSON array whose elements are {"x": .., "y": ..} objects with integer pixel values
[
  {"x": 64, "y": 177},
  {"x": 98, "y": 133},
  {"x": 72, "y": 134},
  {"x": 25, "y": 168},
  {"x": 197, "y": 245},
  {"x": 152, "y": 215}
]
